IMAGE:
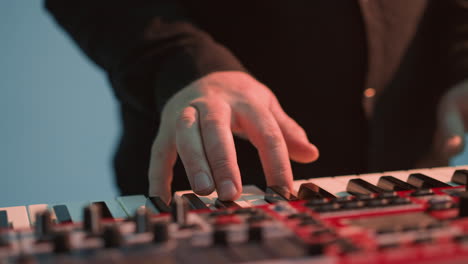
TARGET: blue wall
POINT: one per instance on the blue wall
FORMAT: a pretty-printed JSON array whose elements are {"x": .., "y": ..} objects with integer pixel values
[{"x": 58, "y": 118}]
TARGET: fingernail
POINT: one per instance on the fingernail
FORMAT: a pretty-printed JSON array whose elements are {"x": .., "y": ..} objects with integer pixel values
[
  {"x": 202, "y": 182},
  {"x": 227, "y": 190},
  {"x": 453, "y": 145}
]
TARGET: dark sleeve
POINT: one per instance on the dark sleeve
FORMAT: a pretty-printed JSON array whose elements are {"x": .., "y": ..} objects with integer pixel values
[{"x": 149, "y": 49}]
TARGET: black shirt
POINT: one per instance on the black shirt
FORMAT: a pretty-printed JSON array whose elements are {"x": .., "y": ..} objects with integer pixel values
[{"x": 311, "y": 54}]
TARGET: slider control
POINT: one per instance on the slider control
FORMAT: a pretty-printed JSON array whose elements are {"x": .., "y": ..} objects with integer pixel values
[
  {"x": 160, "y": 232},
  {"x": 463, "y": 204},
  {"x": 142, "y": 220},
  {"x": 112, "y": 236},
  {"x": 62, "y": 242},
  {"x": 179, "y": 210},
  {"x": 92, "y": 219},
  {"x": 43, "y": 225},
  {"x": 220, "y": 237},
  {"x": 255, "y": 233}
]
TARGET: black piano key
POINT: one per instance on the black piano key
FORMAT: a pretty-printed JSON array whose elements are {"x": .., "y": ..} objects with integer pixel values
[
  {"x": 194, "y": 202},
  {"x": 226, "y": 204},
  {"x": 425, "y": 182},
  {"x": 391, "y": 183},
  {"x": 62, "y": 214},
  {"x": 4, "y": 223},
  {"x": 104, "y": 209},
  {"x": 159, "y": 204},
  {"x": 460, "y": 177},
  {"x": 276, "y": 193},
  {"x": 360, "y": 186},
  {"x": 310, "y": 191}
]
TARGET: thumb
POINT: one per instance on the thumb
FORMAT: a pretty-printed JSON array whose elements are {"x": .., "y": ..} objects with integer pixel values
[
  {"x": 452, "y": 130},
  {"x": 299, "y": 147}
]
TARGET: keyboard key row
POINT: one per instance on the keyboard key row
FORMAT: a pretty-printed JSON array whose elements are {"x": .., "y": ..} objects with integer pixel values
[{"x": 20, "y": 217}]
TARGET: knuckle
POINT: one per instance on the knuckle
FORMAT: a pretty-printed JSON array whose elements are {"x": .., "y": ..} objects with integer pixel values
[
  {"x": 279, "y": 173},
  {"x": 215, "y": 147},
  {"x": 192, "y": 160},
  {"x": 248, "y": 107},
  {"x": 186, "y": 119},
  {"x": 221, "y": 166},
  {"x": 201, "y": 102},
  {"x": 212, "y": 121},
  {"x": 300, "y": 132},
  {"x": 272, "y": 139}
]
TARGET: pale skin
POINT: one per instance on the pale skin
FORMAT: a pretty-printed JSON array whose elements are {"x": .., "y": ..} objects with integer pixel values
[{"x": 198, "y": 124}]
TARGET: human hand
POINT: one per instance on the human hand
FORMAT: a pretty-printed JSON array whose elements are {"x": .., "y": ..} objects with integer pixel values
[
  {"x": 452, "y": 121},
  {"x": 198, "y": 123}
]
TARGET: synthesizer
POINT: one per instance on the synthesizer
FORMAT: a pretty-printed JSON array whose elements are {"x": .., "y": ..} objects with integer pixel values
[{"x": 415, "y": 216}]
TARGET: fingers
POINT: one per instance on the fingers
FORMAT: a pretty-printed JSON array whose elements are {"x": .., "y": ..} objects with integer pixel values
[
  {"x": 218, "y": 142},
  {"x": 264, "y": 133},
  {"x": 205, "y": 145},
  {"x": 451, "y": 131},
  {"x": 299, "y": 147},
  {"x": 163, "y": 158},
  {"x": 191, "y": 151}
]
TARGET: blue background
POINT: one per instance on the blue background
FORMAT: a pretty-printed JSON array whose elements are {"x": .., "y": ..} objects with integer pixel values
[{"x": 58, "y": 117}]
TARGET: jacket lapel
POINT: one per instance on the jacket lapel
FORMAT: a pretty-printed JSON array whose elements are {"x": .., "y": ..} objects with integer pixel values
[{"x": 390, "y": 26}]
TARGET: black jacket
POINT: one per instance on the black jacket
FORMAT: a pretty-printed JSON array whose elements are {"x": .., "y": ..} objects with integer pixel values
[{"x": 316, "y": 56}]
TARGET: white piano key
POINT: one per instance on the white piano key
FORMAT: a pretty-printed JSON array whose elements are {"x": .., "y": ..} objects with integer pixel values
[
  {"x": 297, "y": 185},
  {"x": 115, "y": 208},
  {"x": 345, "y": 179},
  {"x": 17, "y": 216},
  {"x": 131, "y": 203},
  {"x": 209, "y": 200},
  {"x": 33, "y": 209},
  {"x": 422, "y": 171},
  {"x": 243, "y": 204},
  {"x": 253, "y": 195},
  {"x": 371, "y": 177},
  {"x": 460, "y": 167},
  {"x": 443, "y": 174},
  {"x": 330, "y": 185},
  {"x": 402, "y": 175}
]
